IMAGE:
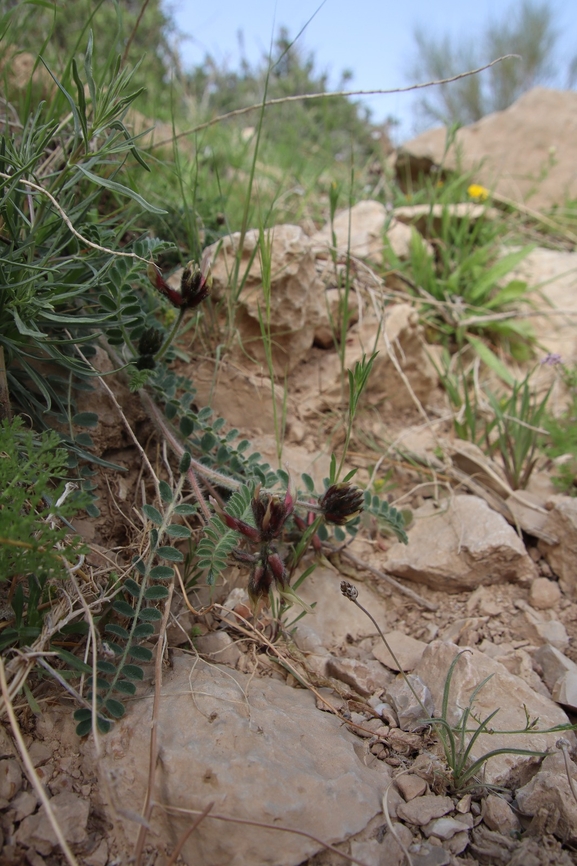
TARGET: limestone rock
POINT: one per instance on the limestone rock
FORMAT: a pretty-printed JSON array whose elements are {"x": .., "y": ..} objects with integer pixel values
[
  {"x": 10, "y": 778},
  {"x": 503, "y": 691},
  {"x": 473, "y": 545},
  {"x": 409, "y": 711},
  {"x": 565, "y": 690},
  {"x": 392, "y": 853},
  {"x": 366, "y": 677},
  {"x": 509, "y": 149},
  {"x": 407, "y": 650},
  {"x": 297, "y": 295},
  {"x": 410, "y": 786},
  {"x": 553, "y": 274},
  {"x": 424, "y": 809},
  {"x": 544, "y": 593},
  {"x": 443, "y": 828},
  {"x": 218, "y": 647},
  {"x": 562, "y": 525},
  {"x": 257, "y": 748},
  {"x": 70, "y": 811},
  {"x": 553, "y": 664},
  {"x": 335, "y": 618},
  {"x": 540, "y": 627},
  {"x": 366, "y": 223},
  {"x": 498, "y": 815},
  {"x": 549, "y": 790}
]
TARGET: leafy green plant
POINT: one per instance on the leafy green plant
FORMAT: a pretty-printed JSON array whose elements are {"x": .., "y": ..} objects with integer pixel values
[
  {"x": 562, "y": 433},
  {"x": 515, "y": 432},
  {"x": 510, "y": 425},
  {"x": 458, "y": 741},
  {"x": 34, "y": 543},
  {"x": 461, "y": 288},
  {"x": 65, "y": 279}
]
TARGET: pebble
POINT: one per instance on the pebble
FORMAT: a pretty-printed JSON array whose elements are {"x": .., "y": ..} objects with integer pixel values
[
  {"x": 423, "y": 810},
  {"x": 409, "y": 711},
  {"x": 411, "y": 786},
  {"x": 464, "y": 804},
  {"x": 10, "y": 778},
  {"x": 443, "y": 828},
  {"x": 544, "y": 593},
  {"x": 39, "y": 753},
  {"x": 24, "y": 804},
  {"x": 498, "y": 815}
]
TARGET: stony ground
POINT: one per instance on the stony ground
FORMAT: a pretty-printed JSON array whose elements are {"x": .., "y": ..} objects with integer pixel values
[{"x": 312, "y": 729}]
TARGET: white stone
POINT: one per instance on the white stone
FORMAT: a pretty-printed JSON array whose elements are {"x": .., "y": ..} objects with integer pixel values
[
  {"x": 257, "y": 748},
  {"x": 544, "y": 593},
  {"x": 473, "y": 545},
  {"x": 407, "y": 649}
]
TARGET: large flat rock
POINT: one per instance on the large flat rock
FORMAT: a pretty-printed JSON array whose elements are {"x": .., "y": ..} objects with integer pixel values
[
  {"x": 259, "y": 750},
  {"x": 459, "y": 546}
]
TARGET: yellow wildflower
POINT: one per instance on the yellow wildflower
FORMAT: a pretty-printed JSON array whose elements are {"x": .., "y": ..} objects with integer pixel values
[{"x": 478, "y": 192}]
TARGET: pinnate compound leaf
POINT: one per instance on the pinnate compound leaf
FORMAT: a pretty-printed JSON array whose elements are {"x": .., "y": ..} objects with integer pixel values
[
  {"x": 143, "y": 630},
  {"x": 85, "y": 419},
  {"x": 131, "y": 587},
  {"x": 165, "y": 491},
  {"x": 82, "y": 714},
  {"x": 150, "y": 614},
  {"x": 105, "y": 667},
  {"x": 116, "y": 630},
  {"x": 125, "y": 687},
  {"x": 84, "y": 728},
  {"x": 185, "y": 508}
]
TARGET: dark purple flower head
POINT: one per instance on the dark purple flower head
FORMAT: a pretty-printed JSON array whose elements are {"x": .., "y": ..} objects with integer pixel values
[
  {"x": 341, "y": 502},
  {"x": 270, "y": 513},
  {"x": 195, "y": 284}
]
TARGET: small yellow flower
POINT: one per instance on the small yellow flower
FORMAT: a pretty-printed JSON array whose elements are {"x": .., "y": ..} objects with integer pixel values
[{"x": 478, "y": 192}]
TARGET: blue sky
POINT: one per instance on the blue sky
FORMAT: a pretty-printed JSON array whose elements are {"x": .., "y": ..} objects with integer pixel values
[{"x": 373, "y": 38}]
